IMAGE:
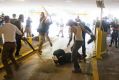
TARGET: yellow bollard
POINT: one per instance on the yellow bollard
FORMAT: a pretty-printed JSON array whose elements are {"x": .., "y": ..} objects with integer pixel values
[
  {"x": 104, "y": 43},
  {"x": 40, "y": 39},
  {"x": 98, "y": 43},
  {"x": 29, "y": 40},
  {"x": 22, "y": 42}
]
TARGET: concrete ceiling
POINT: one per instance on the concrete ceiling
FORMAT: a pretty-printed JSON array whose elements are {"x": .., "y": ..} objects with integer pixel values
[
  {"x": 67, "y": 5},
  {"x": 71, "y": 3}
]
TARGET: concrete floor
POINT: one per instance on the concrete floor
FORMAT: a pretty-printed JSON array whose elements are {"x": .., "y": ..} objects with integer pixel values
[
  {"x": 42, "y": 67},
  {"x": 109, "y": 65}
]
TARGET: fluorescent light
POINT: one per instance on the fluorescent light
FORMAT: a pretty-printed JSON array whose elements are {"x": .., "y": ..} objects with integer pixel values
[
  {"x": 68, "y": 1},
  {"x": 19, "y": 0},
  {"x": 22, "y": 0}
]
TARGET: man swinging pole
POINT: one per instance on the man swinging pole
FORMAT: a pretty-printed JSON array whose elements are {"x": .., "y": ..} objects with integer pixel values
[{"x": 43, "y": 28}]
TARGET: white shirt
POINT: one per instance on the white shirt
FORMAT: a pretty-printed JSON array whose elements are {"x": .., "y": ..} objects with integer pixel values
[{"x": 9, "y": 32}]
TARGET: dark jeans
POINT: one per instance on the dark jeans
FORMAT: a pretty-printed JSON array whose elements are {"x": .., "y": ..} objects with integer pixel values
[
  {"x": 18, "y": 44},
  {"x": 75, "y": 55},
  {"x": 83, "y": 44},
  {"x": 118, "y": 39},
  {"x": 7, "y": 54},
  {"x": 114, "y": 38}
]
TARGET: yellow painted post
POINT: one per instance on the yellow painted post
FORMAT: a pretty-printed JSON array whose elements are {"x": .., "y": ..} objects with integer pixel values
[
  {"x": 30, "y": 40},
  {"x": 99, "y": 34},
  {"x": 22, "y": 42},
  {"x": 98, "y": 43},
  {"x": 95, "y": 69},
  {"x": 39, "y": 38},
  {"x": 104, "y": 43}
]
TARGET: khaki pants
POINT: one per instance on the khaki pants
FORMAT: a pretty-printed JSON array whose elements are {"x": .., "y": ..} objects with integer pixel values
[
  {"x": 28, "y": 31},
  {"x": 42, "y": 40}
]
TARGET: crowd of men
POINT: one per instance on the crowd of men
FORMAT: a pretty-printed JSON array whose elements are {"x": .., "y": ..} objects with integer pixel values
[
  {"x": 13, "y": 34},
  {"x": 110, "y": 27},
  {"x": 9, "y": 30}
]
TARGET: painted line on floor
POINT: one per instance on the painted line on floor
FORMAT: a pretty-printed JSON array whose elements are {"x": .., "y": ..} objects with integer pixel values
[
  {"x": 95, "y": 69},
  {"x": 27, "y": 53}
]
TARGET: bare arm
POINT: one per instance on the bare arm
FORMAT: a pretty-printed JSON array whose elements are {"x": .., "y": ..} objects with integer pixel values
[
  {"x": 70, "y": 39},
  {"x": 47, "y": 14},
  {"x": 70, "y": 36}
]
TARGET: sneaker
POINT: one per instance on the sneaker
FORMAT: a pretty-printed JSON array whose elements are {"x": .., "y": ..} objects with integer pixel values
[
  {"x": 84, "y": 56},
  {"x": 110, "y": 45}
]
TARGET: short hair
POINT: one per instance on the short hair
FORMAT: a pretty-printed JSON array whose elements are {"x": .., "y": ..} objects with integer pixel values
[
  {"x": 42, "y": 14},
  {"x": 6, "y": 19},
  {"x": 21, "y": 17},
  {"x": 14, "y": 15}
]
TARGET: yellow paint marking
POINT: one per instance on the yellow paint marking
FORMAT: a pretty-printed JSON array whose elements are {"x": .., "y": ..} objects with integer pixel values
[{"x": 95, "y": 69}]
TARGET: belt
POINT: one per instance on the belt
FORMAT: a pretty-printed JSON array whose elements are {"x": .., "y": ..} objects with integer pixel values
[{"x": 9, "y": 42}]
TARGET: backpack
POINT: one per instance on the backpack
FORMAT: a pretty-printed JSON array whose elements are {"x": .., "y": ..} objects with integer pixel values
[
  {"x": 60, "y": 57},
  {"x": 68, "y": 57}
]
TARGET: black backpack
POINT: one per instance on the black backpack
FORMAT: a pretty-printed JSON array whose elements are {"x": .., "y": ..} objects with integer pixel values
[
  {"x": 62, "y": 57},
  {"x": 68, "y": 57}
]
